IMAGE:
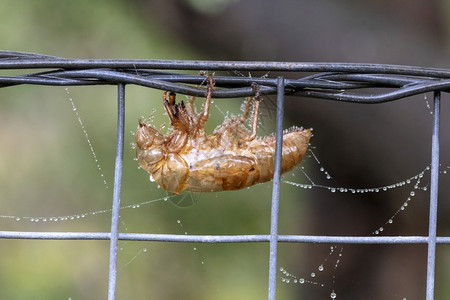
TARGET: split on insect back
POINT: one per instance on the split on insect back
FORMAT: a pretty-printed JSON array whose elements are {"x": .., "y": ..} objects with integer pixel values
[{"x": 230, "y": 158}]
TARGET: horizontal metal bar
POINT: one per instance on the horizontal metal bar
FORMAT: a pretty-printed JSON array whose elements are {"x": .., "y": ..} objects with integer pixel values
[
  {"x": 220, "y": 238},
  {"x": 324, "y": 85},
  {"x": 381, "y": 98},
  {"x": 20, "y": 60}
]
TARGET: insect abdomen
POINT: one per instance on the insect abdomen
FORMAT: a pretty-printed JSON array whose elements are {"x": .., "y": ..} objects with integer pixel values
[{"x": 295, "y": 143}]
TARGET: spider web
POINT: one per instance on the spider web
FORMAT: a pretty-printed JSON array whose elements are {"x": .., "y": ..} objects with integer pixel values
[{"x": 184, "y": 206}]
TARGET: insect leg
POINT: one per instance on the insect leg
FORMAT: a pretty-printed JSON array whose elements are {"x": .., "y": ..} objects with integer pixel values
[
  {"x": 190, "y": 109},
  {"x": 169, "y": 106},
  {"x": 203, "y": 117},
  {"x": 257, "y": 100},
  {"x": 246, "y": 110},
  {"x": 179, "y": 118}
]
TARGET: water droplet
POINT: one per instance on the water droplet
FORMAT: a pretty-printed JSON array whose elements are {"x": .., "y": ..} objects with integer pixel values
[
  {"x": 390, "y": 221},
  {"x": 313, "y": 274},
  {"x": 17, "y": 219},
  {"x": 333, "y": 295},
  {"x": 320, "y": 268},
  {"x": 295, "y": 280},
  {"x": 412, "y": 194},
  {"x": 144, "y": 250},
  {"x": 281, "y": 269},
  {"x": 166, "y": 198}
]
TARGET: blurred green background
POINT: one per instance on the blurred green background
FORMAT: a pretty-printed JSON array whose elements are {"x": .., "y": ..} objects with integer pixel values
[{"x": 47, "y": 168}]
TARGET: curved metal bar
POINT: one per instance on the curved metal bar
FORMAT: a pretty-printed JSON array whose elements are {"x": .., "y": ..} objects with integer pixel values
[{"x": 21, "y": 60}]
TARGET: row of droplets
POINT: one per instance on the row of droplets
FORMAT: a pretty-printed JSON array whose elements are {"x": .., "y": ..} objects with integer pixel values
[
  {"x": 83, "y": 215},
  {"x": 288, "y": 277},
  {"x": 332, "y": 189},
  {"x": 88, "y": 140}
]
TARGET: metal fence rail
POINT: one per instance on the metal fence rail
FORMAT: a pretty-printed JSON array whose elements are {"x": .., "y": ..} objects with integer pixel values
[{"x": 333, "y": 81}]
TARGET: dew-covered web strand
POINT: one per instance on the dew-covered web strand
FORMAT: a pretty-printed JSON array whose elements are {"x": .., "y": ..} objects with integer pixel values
[
  {"x": 287, "y": 277},
  {"x": 315, "y": 277},
  {"x": 194, "y": 249},
  {"x": 88, "y": 140},
  {"x": 80, "y": 216},
  {"x": 415, "y": 180},
  {"x": 141, "y": 251},
  {"x": 311, "y": 184}
]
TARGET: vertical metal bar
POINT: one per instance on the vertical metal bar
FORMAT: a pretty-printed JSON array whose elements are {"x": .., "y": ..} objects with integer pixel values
[
  {"x": 433, "y": 198},
  {"x": 276, "y": 191},
  {"x": 116, "y": 193}
]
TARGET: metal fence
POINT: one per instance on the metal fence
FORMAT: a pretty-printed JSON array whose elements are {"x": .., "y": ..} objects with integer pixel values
[{"x": 333, "y": 81}]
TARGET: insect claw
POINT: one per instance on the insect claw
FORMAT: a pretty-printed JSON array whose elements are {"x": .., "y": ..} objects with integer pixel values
[
  {"x": 172, "y": 98},
  {"x": 256, "y": 90},
  {"x": 210, "y": 82}
]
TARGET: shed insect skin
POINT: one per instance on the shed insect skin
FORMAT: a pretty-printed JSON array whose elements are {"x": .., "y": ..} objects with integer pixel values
[{"x": 231, "y": 158}]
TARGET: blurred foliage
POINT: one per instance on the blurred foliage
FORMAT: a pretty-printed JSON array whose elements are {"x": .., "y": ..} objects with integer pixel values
[{"x": 47, "y": 170}]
